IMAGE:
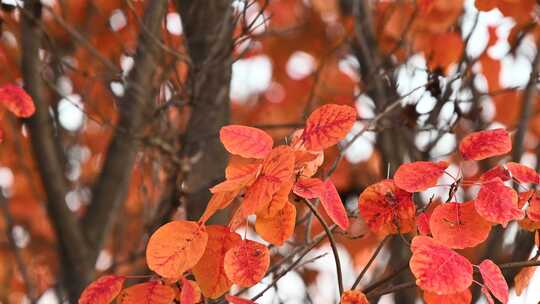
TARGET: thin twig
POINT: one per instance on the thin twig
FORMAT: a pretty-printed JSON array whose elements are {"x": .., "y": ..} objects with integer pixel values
[{"x": 373, "y": 256}]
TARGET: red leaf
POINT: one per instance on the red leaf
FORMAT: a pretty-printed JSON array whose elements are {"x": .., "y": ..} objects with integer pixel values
[
  {"x": 176, "y": 247},
  {"x": 190, "y": 293},
  {"x": 246, "y": 263},
  {"x": 419, "y": 176},
  {"x": 238, "y": 300},
  {"x": 422, "y": 224},
  {"x": 497, "y": 203},
  {"x": 147, "y": 293},
  {"x": 494, "y": 280},
  {"x": 333, "y": 205},
  {"x": 463, "y": 297},
  {"x": 497, "y": 171},
  {"x": 16, "y": 100},
  {"x": 437, "y": 268},
  {"x": 533, "y": 212},
  {"x": 522, "y": 173},
  {"x": 327, "y": 125},
  {"x": 486, "y": 293},
  {"x": 309, "y": 187},
  {"x": 102, "y": 290},
  {"x": 485, "y": 144},
  {"x": 458, "y": 225},
  {"x": 246, "y": 141},
  {"x": 209, "y": 272},
  {"x": 386, "y": 208}
]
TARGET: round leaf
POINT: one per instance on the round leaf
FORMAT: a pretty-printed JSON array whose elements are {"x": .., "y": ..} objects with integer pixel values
[
  {"x": 419, "y": 176},
  {"x": 327, "y": 125},
  {"x": 246, "y": 263},
  {"x": 176, "y": 247},
  {"x": 497, "y": 203},
  {"x": 103, "y": 290},
  {"x": 16, "y": 100},
  {"x": 246, "y": 141},
  {"x": 279, "y": 228},
  {"x": 485, "y": 144},
  {"x": 147, "y": 293},
  {"x": 523, "y": 173}
]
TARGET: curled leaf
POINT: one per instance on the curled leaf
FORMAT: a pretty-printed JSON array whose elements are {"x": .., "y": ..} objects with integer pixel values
[
  {"x": 419, "y": 176},
  {"x": 497, "y": 203},
  {"x": 190, "y": 293},
  {"x": 387, "y": 209},
  {"x": 497, "y": 171},
  {"x": 246, "y": 141},
  {"x": 103, "y": 290},
  {"x": 176, "y": 247},
  {"x": 16, "y": 100},
  {"x": 246, "y": 263},
  {"x": 523, "y": 173},
  {"x": 147, "y": 293},
  {"x": 485, "y": 144},
  {"x": 422, "y": 224},
  {"x": 494, "y": 280},
  {"x": 437, "y": 268},
  {"x": 279, "y": 228},
  {"x": 458, "y": 225},
  {"x": 332, "y": 204},
  {"x": 209, "y": 272},
  {"x": 327, "y": 125}
]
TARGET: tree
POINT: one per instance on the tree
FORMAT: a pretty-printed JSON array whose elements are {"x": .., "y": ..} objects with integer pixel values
[{"x": 138, "y": 163}]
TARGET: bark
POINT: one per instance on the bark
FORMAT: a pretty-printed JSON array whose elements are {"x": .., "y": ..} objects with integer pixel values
[
  {"x": 208, "y": 26},
  {"x": 72, "y": 245},
  {"x": 111, "y": 187}
]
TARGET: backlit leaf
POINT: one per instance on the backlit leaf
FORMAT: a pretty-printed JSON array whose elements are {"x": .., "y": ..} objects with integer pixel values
[
  {"x": 497, "y": 171},
  {"x": 523, "y": 173},
  {"x": 522, "y": 279},
  {"x": 147, "y": 293},
  {"x": 533, "y": 212},
  {"x": 238, "y": 178},
  {"x": 353, "y": 297},
  {"x": 16, "y": 100},
  {"x": 422, "y": 224},
  {"x": 488, "y": 296},
  {"x": 485, "y": 144},
  {"x": 332, "y": 204},
  {"x": 279, "y": 228},
  {"x": 309, "y": 187},
  {"x": 278, "y": 201},
  {"x": 209, "y": 272},
  {"x": 246, "y": 263},
  {"x": 103, "y": 290},
  {"x": 494, "y": 280},
  {"x": 386, "y": 208},
  {"x": 327, "y": 125},
  {"x": 458, "y": 225},
  {"x": 419, "y": 176},
  {"x": 497, "y": 203},
  {"x": 190, "y": 293},
  {"x": 246, "y": 141},
  {"x": 437, "y": 268},
  {"x": 176, "y": 247},
  {"x": 218, "y": 201},
  {"x": 463, "y": 297}
]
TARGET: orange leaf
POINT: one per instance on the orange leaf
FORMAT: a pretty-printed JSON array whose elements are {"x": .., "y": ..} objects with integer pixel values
[
  {"x": 246, "y": 141},
  {"x": 494, "y": 280},
  {"x": 246, "y": 263},
  {"x": 497, "y": 203},
  {"x": 522, "y": 279},
  {"x": 333, "y": 205},
  {"x": 218, "y": 201},
  {"x": 458, "y": 225},
  {"x": 485, "y": 144},
  {"x": 176, "y": 247},
  {"x": 16, "y": 100},
  {"x": 533, "y": 212},
  {"x": 463, "y": 297},
  {"x": 190, "y": 293},
  {"x": 327, "y": 125},
  {"x": 209, "y": 272},
  {"x": 422, "y": 224},
  {"x": 242, "y": 177},
  {"x": 309, "y": 187},
  {"x": 353, "y": 297},
  {"x": 102, "y": 290},
  {"x": 238, "y": 300},
  {"x": 387, "y": 209},
  {"x": 279, "y": 228},
  {"x": 278, "y": 201},
  {"x": 437, "y": 268},
  {"x": 419, "y": 176},
  {"x": 147, "y": 293},
  {"x": 523, "y": 173}
]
